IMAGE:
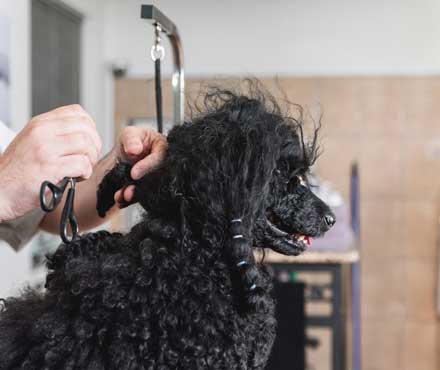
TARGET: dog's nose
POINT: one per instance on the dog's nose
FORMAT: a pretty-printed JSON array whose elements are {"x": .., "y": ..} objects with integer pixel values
[{"x": 329, "y": 220}]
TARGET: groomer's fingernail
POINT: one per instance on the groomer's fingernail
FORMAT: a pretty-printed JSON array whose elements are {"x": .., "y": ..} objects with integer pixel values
[{"x": 133, "y": 147}]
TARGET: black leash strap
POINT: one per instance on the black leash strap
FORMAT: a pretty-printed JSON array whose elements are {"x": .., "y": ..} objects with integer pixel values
[{"x": 158, "y": 88}]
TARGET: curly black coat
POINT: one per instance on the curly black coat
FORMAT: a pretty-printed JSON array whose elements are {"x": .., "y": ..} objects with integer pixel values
[{"x": 182, "y": 289}]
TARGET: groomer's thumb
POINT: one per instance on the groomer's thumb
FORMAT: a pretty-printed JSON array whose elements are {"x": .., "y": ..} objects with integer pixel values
[{"x": 131, "y": 142}]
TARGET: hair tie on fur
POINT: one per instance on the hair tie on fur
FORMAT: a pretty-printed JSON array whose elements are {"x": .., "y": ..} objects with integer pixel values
[
  {"x": 236, "y": 228},
  {"x": 253, "y": 287},
  {"x": 242, "y": 263}
]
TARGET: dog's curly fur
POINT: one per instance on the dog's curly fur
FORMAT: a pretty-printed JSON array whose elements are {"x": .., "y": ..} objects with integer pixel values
[{"x": 181, "y": 290}]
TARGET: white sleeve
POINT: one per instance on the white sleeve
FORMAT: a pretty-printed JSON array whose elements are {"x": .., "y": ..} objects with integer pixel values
[
  {"x": 18, "y": 232},
  {"x": 6, "y": 136}
]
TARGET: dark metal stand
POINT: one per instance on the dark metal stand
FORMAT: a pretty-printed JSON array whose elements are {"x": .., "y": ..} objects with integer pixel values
[
  {"x": 356, "y": 269},
  {"x": 336, "y": 320}
]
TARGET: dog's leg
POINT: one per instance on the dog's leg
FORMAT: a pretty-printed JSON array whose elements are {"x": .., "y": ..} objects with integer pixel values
[{"x": 115, "y": 179}]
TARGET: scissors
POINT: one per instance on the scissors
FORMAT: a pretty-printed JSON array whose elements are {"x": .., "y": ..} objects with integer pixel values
[{"x": 48, "y": 204}]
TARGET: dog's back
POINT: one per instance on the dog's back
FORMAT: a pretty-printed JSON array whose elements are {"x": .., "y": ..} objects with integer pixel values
[{"x": 139, "y": 301}]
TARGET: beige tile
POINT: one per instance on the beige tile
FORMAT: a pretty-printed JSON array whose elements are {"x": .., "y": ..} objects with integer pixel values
[
  {"x": 382, "y": 345},
  {"x": 419, "y": 347},
  {"x": 421, "y": 170},
  {"x": 339, "y": 99},
  {"x": 381, "y": 231},
  {"x": 421, "y": 103},
  {"x": 420, "y": 289},
  {"x": 380, "y": 167},
  {"x": 381, "y": 106},
  {"x": 383, "y": 292},
  {"x": 420, "y": 228},
  {"x": 297, "y": 90},
  {"x": 335, "y": 161}
]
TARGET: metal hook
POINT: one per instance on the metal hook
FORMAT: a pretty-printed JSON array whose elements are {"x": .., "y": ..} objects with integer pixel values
[{"x": 157, "y": 50}]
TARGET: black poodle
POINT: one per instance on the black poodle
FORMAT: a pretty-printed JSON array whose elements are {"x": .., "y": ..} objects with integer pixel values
[{"x": 182, "y": 289}]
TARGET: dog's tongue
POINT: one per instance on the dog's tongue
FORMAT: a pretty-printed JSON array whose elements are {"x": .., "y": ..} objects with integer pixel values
[{"x": 308, "y": 240}]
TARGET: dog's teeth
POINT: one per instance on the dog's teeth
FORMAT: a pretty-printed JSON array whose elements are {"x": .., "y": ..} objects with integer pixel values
[{"x": 301, "y": 237}]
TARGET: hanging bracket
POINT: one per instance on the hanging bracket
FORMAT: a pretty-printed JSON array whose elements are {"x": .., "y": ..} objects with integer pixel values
[{"x": 157, "y": 18}]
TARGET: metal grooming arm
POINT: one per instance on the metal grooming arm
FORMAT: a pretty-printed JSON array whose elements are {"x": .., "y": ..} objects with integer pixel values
[{"x": 156, "y": 17}]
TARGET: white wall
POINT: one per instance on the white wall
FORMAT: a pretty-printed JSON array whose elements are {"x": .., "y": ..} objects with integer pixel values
[
  {"x": 95, "y": 79},
  {"x": 18, "y": 12},
  {"x": 93, "y": 65},
  {"x": 301, "y": 37}
]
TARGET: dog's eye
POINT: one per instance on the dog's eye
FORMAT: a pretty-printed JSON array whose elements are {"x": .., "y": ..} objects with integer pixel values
[
  {"x": 301, "y": 181},
  {"x": 295, "y": 181},
  {"x": 298, "y": 180}
]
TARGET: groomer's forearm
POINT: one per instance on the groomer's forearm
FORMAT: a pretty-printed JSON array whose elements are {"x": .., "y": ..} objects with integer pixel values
[{"x": 85, "y": 199}]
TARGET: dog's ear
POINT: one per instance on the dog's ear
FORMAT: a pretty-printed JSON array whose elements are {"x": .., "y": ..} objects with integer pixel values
[
  {"x": 222, "y": 164},
  {"x": 115, "y": 179}
]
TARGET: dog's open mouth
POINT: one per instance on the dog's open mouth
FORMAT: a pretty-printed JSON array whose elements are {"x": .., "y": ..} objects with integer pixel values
[
  {"x": 297, "y": 241},
  {"x": 303, "y": 238}
]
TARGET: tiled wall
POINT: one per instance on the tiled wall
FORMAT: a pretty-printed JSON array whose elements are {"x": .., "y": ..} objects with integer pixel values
[{"x": 391, "y": 126}]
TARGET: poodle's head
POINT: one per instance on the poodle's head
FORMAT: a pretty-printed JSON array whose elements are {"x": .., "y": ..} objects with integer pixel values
[{"x": 240, "y": 158}]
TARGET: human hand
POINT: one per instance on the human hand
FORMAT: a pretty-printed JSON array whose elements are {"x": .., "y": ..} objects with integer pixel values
[
  {"x": 57, "y": 144},
  {"x": 145, "y": 148}
]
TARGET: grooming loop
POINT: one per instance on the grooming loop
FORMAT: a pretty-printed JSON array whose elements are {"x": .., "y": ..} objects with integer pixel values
[{"x": 157, "y": 50}]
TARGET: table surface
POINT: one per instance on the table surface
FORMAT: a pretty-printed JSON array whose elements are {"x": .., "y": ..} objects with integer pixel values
[{"x": 347, "y": 256}]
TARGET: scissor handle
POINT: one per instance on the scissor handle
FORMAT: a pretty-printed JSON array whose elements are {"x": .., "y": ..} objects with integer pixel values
[
  {"x": 68, "y": 218},
  {"x": 56, "y": 192}
]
